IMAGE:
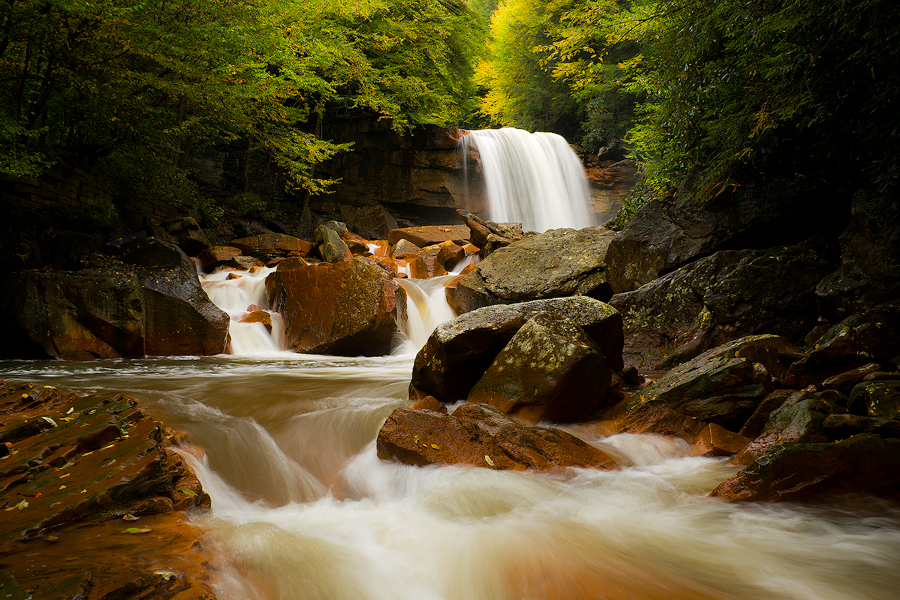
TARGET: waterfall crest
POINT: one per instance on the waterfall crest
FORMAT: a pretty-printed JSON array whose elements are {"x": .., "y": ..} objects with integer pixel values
[{"x": 532, "y": 178}]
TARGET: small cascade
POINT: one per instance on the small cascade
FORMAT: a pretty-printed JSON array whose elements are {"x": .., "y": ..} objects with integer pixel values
[
  {"x": 532, "y": 178},
  {"x": 426, "y": 305},
  {"x": 236, "y": 291}
]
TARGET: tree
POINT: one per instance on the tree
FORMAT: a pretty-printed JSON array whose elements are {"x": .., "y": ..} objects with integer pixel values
[{"x": 126, "y": 88}]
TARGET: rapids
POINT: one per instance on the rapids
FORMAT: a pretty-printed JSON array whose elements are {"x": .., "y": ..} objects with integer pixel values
[
  {"x": 532, "y": 178},
  {"x": 303, "y": 508}
]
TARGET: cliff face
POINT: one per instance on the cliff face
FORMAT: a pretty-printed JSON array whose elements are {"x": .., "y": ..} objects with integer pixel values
[{"x": 418, "y": 177}]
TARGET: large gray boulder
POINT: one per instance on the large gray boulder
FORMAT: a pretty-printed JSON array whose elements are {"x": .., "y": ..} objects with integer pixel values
[
  {"x": 549, "y": 371},
  {"x": 179, "y": 317},
  {"x": 665, "y": 235},
  {"x": 559, "y": 262},
  {"x": 727, "y": 295},
  {"x": 722, "y": 386},
  {"x": 460, "y": 350}
]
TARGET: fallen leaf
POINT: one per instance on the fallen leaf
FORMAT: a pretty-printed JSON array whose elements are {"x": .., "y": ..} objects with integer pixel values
[
  {"x": 435, "y": 446},
  {"x": 488, "y": 460},
  {"x": 129, "y": 517},
  {"x": 135, "y": 530},
  {"x": 167, "y": 575}
]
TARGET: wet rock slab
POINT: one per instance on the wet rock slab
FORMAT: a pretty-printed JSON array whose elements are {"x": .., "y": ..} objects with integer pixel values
[
  {"x": 74, "y": 461},
  {"x": 481, "y": 435}
]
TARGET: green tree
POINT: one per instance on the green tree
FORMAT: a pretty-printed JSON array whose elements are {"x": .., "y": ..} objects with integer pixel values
[
  {"x": 127, "y": 88},
  {"x": 800, "y": 91}
]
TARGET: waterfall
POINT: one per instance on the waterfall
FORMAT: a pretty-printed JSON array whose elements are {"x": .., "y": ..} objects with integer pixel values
[
  {"x": 426, "y": 308},
  {"x": 234, "y": 292},
  {"x": 532, "y": 178}
]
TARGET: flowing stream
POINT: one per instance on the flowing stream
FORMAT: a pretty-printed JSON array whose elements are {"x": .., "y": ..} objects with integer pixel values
[
  {"x": 302, "y": 508},
  {"x": 531, "y": 178}
]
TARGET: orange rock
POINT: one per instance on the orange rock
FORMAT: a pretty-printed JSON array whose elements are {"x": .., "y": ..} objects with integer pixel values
[
  {"x": 430, "y": 234},
  {"x": 481, "y": 435},
  {"x": 715, "y": 440},
  {"x": 347, "y": 308},
  {"x": 258, "y": 316}
]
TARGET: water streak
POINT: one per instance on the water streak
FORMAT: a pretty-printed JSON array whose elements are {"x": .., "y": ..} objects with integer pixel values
[{"x": 535, "y": 179}]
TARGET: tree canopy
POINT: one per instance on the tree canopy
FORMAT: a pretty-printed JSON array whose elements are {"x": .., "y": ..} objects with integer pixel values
[{"x": 128, "y": 86}]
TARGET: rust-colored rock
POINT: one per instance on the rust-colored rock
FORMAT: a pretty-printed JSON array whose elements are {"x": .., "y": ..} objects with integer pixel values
[
  {"x": 430, "y": 235},
  {"x": 715, "y": 440},
  {"x": 216, "y": 256},
  {"x": 78, "y": 465},
  {"x": 347, "y": 308},
  {"x": 481, "y": 435},
  {"x": 258, "y": 316}
]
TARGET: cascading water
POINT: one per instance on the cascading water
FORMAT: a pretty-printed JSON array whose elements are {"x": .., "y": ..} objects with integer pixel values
[
  {"x": 235, "y": 292},
  {"x": 532, "y": 178}
]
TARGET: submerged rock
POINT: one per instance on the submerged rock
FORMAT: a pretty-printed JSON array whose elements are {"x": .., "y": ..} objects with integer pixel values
[
  {"x": 347, "y": 308},
  {"x": 459, "y": 351},
  {"x": 482, "y": 436},
  {"x": 549, "y": 371}
]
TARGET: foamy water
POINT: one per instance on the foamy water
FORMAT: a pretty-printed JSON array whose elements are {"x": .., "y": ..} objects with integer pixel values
[
  {"x": 532, "y": 178},
  {"x": 303, "y": 508}
]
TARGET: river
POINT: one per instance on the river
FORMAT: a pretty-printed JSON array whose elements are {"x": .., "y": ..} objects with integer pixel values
[{"x": 303, "y": 508}]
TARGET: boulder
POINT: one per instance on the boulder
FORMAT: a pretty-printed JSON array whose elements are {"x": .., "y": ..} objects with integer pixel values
[
  {"x": 715, "y": 440},
  {"x": 879, "y": 399},
  {"x": 871, "y": 336},
  {"x": 403, "y": 246},
  {"x": 460, "y": 350},
  {"x": 549, "y": 371},
  {"x": 559, "y": 262},
  {"x": 754, "y": 425},
  {"x": 863, "y": 464},
  {"x": 427, "y": 263},
  {"x": 722, "y": 297},
  {"x": 489, "y": 235},
  {"x": 269, "y": 246},
  {"x": 667, "y": 234},
  {"x": 41, "y": 321},
  {"x": 481, "y": 435},
  {"x": 258, "y": 316},
  {"x": 216, "y": 256},
  {"x": 179, "y": 317},
  {"x": 347, "y": 308},
  {"x": 373, "y": 222},
  {"x": 841, "y": 426},
  {"x": 798, "y": 419},
  {"x": 186, "y": 233},
  {"x": 332, "y": 248},
  {"x": 869, "y": 274},
  {"x": 430, "y": 235},
  {"x": 722, "y": 386}
]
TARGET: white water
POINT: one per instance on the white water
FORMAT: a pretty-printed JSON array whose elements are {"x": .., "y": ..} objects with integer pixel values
[
  {"x": 303, "y": 508},
  {"x": 426, "y": 309},
  {"x": 532, "y": 178},
  {"x": 234, "y": 296}
]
